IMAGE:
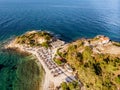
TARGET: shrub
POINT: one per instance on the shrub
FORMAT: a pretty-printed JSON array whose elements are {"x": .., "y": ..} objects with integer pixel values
[
  {"x": 70, "y": 86},
  {"x": 118, "y": 79},
  {"x": 64, "y": 86},
  {"x": 97, "y": 69},
  {"x": 87, "y": 54},
  {"x": 45, "y": 44},
  {"x": 59, "y": 62}
]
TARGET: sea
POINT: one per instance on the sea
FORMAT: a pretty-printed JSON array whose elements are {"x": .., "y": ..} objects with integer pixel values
[{"x": 67, "y": 19}]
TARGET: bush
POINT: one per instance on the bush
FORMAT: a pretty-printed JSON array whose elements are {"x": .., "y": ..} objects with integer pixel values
[
  {"x": 70, "y": 86},
  {"x": 97, "y": 69},
  {"x": 45, "y": 44},
  {"x": 59, "y": 62},
  {"x": 118, "y": 79},
  {"x": 116, "y": 44},
  {"x": 64, "y": 86},
  {"x": 72, "y": 47},
  {"x": 87, "y": 54},
  {"x": 73, "y": 85}
]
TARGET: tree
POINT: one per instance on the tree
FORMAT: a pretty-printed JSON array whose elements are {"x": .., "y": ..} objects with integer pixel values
[
  {"x": 64, "y": 86},
  {"x": 97, "y": 69},
  {"x": 45, "y": 44},
  {"x": 87, "y": 54},
  {"x": 118, "y": 79}
]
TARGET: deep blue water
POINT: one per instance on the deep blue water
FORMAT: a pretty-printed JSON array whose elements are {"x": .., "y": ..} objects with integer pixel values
[{"x": 71, "y": 19}]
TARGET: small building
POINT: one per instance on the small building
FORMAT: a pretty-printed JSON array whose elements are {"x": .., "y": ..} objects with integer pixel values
[{"x": 102, "y": 39}]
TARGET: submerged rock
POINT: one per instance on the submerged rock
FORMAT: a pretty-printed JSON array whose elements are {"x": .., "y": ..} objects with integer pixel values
[{"x": 1, "y": 66}]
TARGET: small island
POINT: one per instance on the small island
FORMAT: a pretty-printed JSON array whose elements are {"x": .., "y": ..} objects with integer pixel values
[{"x": 85, "y": 64}]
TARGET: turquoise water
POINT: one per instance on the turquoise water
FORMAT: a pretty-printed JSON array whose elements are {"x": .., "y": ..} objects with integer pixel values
[
  {"x": 19, "y": 71},
  {"x": 68, "y": 19}
]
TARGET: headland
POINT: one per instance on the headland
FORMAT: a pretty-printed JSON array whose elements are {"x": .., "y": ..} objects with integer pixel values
[{"x": 83, "y": 64}]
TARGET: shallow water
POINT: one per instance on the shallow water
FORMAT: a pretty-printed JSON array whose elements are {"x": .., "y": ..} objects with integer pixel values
[{"x": 19, "y": 71}]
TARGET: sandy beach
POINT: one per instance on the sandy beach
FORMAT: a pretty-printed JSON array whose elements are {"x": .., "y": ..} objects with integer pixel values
[{"x": 54, "y": 75}]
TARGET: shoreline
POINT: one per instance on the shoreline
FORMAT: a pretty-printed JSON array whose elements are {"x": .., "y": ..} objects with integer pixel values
[
  {"x": 53, "y": 77},
  {"x": 15, "y": 57},
  {"x": 21, "y": 50},
  {"x": 25, "y": 53},
  {"x": 54, "y": 74},
  {"x": 42, "y": 74}
]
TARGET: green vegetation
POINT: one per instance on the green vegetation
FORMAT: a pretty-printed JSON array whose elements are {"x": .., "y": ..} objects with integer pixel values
[
  {"x": 97, "y": 68},
  {"x": 96, "y": 71},
  {"x": 45, "y": 44},
  {"x": 117, "y": 44},
  {"x": 59, "y": 62},
  {"x": 41, "y": 38},
  {"x": 64, "y": 86},
  {"x": 70, "y": 86},
  {"x": 87, "y": 54},
  {"x": 118, "y": 79}
]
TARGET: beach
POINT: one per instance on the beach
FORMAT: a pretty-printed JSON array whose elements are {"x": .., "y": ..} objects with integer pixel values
[{"x": 54, "y": 74}]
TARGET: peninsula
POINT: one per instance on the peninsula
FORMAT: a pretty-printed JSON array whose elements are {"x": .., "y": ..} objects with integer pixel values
[{"x": 85, "y": 64}]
